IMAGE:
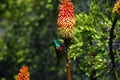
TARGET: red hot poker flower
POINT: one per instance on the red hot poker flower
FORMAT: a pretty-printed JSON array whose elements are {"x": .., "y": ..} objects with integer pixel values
[
  {"x": 116, "y": 8},
  {"x": 23, "y": 75},
  {"x": 66, "y": 19}
]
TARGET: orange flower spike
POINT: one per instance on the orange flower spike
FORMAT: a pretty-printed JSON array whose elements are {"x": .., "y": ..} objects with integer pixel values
[
  {"x": 66, "y": 19},
  {"x": 24, "y": 74},
  {"x": 116, "y": 8}
]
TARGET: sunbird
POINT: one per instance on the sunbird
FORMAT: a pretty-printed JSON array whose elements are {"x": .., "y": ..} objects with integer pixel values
[{"x": 59, "y": 50}]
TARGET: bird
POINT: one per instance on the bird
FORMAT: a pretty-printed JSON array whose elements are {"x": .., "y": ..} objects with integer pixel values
[{"x": 59, "y": 50}]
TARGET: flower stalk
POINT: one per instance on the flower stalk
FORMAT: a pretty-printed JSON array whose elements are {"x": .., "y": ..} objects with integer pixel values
[
  {"x": 116, "y": 10},
  {"x": 111, "y": 49},
  {"x": 67, "y": 44}
]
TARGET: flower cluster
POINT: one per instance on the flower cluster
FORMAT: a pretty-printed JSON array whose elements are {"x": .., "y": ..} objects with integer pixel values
[
  {"x": 116, "y": 8},
  {"x": 66, "y": 19},
  {"x": 23, "y": 75}
]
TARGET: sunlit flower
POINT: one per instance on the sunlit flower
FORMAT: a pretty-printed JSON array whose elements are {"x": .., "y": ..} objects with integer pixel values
[
  {"x": 23, "y": 75},
  {"x": 66, "y": 19},
  {"x": 116, "y": 8}
]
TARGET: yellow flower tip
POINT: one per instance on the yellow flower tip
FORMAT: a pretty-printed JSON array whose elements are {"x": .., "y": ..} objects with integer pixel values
[
  {"x": 66, "y": 19},
  {"x": 24, "y": 74},
  {"x": 66, "y": 33},
  {"x": 116, "y": 8}
]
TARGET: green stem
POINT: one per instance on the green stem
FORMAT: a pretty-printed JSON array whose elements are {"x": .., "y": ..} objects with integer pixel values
[{"x": 111, "y": 49}]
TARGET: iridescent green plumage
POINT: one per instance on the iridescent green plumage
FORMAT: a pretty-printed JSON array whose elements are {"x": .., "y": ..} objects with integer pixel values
[{"x": 56, "y": 44}]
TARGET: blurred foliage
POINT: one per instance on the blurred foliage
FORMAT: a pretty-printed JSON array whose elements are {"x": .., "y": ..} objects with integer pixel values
[
  {"x": 90, "y": 48},
  {"x": 29, "y": 27}
]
